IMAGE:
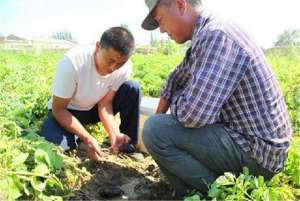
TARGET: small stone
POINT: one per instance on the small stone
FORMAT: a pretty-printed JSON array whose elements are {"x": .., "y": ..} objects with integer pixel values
[
  {"x": 151, "y": 167},
  {"x": 137, "y": 156}
]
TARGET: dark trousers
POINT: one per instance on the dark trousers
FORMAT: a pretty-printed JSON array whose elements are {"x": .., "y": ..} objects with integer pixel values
[{"x": 126, "y": 102}]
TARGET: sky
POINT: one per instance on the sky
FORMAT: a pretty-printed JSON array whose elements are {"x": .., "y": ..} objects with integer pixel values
[{"x": 87, "y": 19}]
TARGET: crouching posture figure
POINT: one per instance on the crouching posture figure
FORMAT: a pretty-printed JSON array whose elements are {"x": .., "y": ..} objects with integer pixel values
[
  {"x": 227, "y": 110},
  {"x": 91, "y": 85}
]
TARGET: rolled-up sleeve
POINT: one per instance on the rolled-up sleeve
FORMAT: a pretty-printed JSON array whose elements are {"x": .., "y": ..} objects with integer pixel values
[{"x": 218, "y": 65}]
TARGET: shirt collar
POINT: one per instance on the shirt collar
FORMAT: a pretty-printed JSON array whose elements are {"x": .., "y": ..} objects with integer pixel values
[{"x": 201, "y": 22}]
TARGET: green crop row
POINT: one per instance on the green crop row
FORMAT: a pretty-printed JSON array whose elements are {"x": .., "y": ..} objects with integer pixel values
[
  {"x": 152, "y": 70},
  {"x": 286, "y": 64},
  {"x": 31, "y": 168},
  {"x": 282, "y": 187}
]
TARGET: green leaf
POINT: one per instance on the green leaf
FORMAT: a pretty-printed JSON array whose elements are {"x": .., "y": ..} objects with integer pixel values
[
  {"x": 41, "y": 169},
  {"x": 17, "y": 181},
  {"x": 37, "y": 184},
  {"x": 49, "y": 198},
  {"x": 25, "y": 189},
  {"x": 56, "y": 160},
  {"x": 275, "y": 180},
  {"x": 229, "y": 176},
  {"x": 231, "y": 197},
  {"x": 44, "y": 145},
  {"x": 273, "y": 194},
  {"x": 246, "y": 170},
  {"x": 13, "y": 191},
  {"x": 267, "y": 195},
  {"x": 255, "y": 194},
  {"x": 54, "y": 182},
  {"x": 19, "y": 159},
  {"x": 32, "y": 136},
  {"x": 193, "y": 198},
  {"x": 224, "y": 181},
  {"x": 40, "y": 156},
  {"x": 214, "y": 191},
  {"x": 261, "y": 181},
  {"x": 4, "y": 189},
  {"x": 53, "y": 159}
]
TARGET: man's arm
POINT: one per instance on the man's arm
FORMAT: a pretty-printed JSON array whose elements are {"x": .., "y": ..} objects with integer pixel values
[
  {"x": 175, "y": 82},
  {"x": 163, "y": 106},
  {"x": 218, "y": 67},
  {"x": 71, "y": 124},
  {"x": 105, "y": 110}
]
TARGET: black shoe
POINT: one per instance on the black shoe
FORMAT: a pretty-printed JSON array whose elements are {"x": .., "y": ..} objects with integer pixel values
[{"x": 127, "y": 148}]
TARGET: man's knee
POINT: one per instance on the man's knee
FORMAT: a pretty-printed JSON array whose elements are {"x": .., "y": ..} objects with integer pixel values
[
  {"x": 154, "y": 130},
  {"x": 49, "y": 131},
  {"x": 128, "y": 94},
  {"x": 148, "y": 130},
  {"x": 132, "y": 86}
]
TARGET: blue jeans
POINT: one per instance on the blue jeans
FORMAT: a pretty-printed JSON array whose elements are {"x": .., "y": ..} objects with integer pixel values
[
  {"x": 192, "y": 158},
  {"x": 126, "y": 102}
]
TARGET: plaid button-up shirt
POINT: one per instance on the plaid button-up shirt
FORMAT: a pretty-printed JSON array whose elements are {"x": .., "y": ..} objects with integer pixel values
[{"x": 224, "y": 78}]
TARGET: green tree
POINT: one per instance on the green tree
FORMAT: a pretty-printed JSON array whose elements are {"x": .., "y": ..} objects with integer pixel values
[
  {"x": 126, "y": 26},
  {"x": 63, "y": 35},
  {"x": 152, "y": 39},
  {"x": 288, "y": 37},
  {"x": 2, "y": 37}
]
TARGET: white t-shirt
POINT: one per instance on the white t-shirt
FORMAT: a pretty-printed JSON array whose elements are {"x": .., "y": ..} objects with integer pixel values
[{"x": 77, "y": 78}]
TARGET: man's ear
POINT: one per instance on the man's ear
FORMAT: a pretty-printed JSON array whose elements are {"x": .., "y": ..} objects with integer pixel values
[
  {"x": 182, "y": 6},
  {"x": 98, "y": 46}
]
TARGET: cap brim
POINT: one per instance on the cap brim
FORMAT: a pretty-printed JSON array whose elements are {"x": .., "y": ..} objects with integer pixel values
[{"x": 149, "y": 23}]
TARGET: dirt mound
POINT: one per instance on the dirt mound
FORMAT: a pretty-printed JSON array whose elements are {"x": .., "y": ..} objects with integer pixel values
[{"x": 121, "y": 177}]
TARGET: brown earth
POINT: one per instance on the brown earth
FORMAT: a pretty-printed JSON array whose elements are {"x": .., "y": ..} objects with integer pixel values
[{"x": 121, "y": 177}]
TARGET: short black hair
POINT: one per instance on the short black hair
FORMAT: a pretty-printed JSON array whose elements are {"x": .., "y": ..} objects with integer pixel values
[{"x": 118, "y": 38}]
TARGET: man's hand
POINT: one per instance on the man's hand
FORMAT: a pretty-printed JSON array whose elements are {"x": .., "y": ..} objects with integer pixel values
[
  {"x": 93, "y": 149},
  {"x": 117, "y": 140},
  {"x": 106, "y": 115}
]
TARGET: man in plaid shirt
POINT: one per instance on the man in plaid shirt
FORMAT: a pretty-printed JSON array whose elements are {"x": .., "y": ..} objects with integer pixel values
[{"x": 227, "y": 110}]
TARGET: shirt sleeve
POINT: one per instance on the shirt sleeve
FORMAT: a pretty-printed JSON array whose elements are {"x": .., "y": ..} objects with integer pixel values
[
  {"x": 218, "y": 65},
  {"x": 177, "y": 79},
  {"x": 64, "y": 83},
  {"x": 123, "y": 76}
]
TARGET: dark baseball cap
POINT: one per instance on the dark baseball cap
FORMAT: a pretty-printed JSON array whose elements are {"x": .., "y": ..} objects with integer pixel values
[{"x": 149, "y": 22}]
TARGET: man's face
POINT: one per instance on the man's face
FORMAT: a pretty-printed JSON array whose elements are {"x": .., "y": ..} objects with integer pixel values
[
  {"x": 109, "y": 59},
  {"x": 170, "y": 21}
]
